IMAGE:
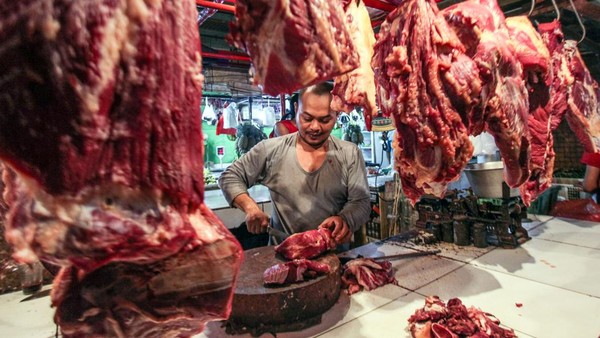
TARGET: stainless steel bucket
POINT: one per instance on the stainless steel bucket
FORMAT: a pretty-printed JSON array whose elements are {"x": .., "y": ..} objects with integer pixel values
[{"x": 486, "y": 179}]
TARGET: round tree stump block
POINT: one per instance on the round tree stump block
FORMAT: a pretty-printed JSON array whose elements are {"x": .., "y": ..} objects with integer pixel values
[{"x": 258, "y": 309}]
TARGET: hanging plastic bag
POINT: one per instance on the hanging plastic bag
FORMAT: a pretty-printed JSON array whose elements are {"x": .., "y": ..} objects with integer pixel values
[{"x": 230, "y": 116}]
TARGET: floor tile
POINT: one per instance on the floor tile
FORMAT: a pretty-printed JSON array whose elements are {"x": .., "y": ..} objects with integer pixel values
[
  {"x": 28, "y": 319},
  {"x": 550, "y": 263},
  {"x": 570, "y": 231},
  {"x": 543, "y": 311}
]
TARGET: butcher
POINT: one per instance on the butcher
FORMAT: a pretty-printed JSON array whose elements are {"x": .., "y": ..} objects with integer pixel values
[{"x": 314, "y": 179}]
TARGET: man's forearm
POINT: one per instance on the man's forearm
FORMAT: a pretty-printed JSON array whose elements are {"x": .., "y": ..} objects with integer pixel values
[{"x": 245, "y": 203}]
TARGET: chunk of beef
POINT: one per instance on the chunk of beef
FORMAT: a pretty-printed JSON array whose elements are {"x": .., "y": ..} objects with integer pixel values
[
  {"x": 367, "y": 273},
  {"x": 583, "y": 110},
  {"x": 547, "y": 97},
  {"x": 504, "y": 98},
  {"x": 357, "y": 88},
  {"x": 436, "y": 319},
  {"x": 100, "y": 120},
  {"x": 293, "y": 43},
  {"x": 305, "y": 245},
  {"x": 297, "y": 270},
  {"x": 429, "y": 87}
]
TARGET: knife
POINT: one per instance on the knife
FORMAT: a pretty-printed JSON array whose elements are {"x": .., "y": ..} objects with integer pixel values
[
  {"x": 37, "y": 295},
  {"x": 346, "y": 259},
  {"x": 279, "y": 235}
]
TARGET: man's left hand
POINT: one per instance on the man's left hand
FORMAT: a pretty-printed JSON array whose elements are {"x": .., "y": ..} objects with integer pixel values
[{"x": 339, "y": 229}]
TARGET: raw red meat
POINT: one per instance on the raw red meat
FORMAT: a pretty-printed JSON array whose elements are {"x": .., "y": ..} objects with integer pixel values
[
  {"x": 100, "y": 120},
  {"x": 367, "y": 273},
  {"x": 295, "y": 271},
  {"x": 547, "y": 96},
  {"x": 438, "y": 320},
  {"x": 504, "y": 98},
  {"x": 428, "y": 85},
  {"x": 293, "y": 43},
  {"x": 357, "y": 88},
  {"x": 305, "y": 245},
  {"x": 583, "y": 113}
]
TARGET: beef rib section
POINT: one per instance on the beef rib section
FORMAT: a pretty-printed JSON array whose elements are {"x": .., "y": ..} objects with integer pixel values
[
  {"x": 100, "y": 120},
  {"x": 293, "y": 43}
]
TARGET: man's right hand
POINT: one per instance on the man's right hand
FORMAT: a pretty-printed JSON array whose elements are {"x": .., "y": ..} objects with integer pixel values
[{"x": 257, "y": 221}]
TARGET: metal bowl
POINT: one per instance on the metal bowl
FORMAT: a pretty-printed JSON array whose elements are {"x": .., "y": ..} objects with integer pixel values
[{"x": 486, "y": 179}]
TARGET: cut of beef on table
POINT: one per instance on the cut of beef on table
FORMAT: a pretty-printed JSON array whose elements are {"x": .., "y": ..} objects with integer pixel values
[
  {"x": 440, "y": 320},
  {"x": 293, "y": 43},
  {"x": 366, "y": 273},
  {"x": 357, "y": 88},
  {"x": 297, "y": 270},
  {"x": 430, "y": 87},
  {"x": 307, "y": 244},
  {"x": 100, "y": 120}
]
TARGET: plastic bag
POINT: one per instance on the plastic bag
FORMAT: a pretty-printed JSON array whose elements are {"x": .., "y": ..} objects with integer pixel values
[{"x": 585, "y": 209}]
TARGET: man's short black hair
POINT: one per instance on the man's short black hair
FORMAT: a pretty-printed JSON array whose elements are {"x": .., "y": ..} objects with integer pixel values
[{"x": 322, "y": 88}]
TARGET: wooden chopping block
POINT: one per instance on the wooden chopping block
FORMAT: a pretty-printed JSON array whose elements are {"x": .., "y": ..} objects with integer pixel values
[{"x": 275, "y": 309}]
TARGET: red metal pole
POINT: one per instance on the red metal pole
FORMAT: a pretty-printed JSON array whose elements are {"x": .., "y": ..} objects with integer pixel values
[
  {"x": 221, "y": 7},
  {"x": 226, "y": 56},
  {"x": 378, "y": 4}
]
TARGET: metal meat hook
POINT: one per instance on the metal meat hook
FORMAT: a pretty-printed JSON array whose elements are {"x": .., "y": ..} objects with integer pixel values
[{"x": 578, "y": 20}]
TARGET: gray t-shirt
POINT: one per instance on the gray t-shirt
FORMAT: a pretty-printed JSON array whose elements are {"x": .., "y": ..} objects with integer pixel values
[{"x": 302, "y": 200}]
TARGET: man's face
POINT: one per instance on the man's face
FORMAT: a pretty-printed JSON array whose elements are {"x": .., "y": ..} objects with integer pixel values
[{"x": 315, "y": 119}]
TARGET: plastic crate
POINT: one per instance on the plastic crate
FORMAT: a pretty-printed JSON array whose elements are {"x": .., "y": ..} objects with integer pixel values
[
  {"x": 544, "y": 203},
  {"x": 574, "y": 193}
]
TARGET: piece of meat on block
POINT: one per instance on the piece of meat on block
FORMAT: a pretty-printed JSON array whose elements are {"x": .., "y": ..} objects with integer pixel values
[
  {"x": 307, "y": 244},
  {"x": 357, "y": 88},
  {"x": 367, "y": 273},
  {"x": 100, "y": 121},
  {"x": 293, "y": 43},
  {"x": 583, "y": 113},
  {"x": 297, "y": 270},
  {"x": 428, "y": 85}
]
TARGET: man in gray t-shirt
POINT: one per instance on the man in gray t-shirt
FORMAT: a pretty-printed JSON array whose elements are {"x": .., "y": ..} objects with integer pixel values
[{"x": 315, "y": 180}]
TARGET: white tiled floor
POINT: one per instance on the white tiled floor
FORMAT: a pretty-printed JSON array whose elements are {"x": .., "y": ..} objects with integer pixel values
[{"x": 554, "y": 277}]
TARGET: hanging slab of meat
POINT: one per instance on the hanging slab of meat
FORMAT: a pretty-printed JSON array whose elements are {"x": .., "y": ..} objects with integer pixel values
[
  {"x": 293, "y": 43},
  {"x": 305, "y": 245},
  {"x": 357, "y": 88},
  {"x": 429, "y": 86},
  {"x": 100, "y": 120},
  {"x": 547, "y": 96},
  {"x": 297, "y": 270},
  {"x": 583, "y": 113},
  {"x": 504, "y": 98},
  {"x": 368, "y": 274},
  {"x": 438, "y": 320}
]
